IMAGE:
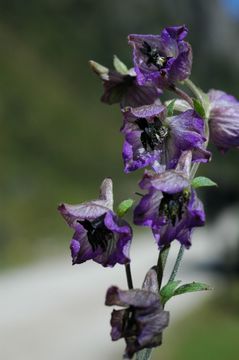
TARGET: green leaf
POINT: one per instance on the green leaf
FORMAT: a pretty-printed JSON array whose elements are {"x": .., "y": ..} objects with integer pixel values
[
  {"x": 170, "y": 108},
  {"x": 124, "y": 206},
  {"x": 201, "y": 96},
  {"x": 192, "y": 287},
  {"x": 98, "y": 68},
  {"x": 201, "y": 181},
  {"x": 168, "y": 290},
  {"x": 198, "y": 107},
  {"x": 120, "y": 66}
]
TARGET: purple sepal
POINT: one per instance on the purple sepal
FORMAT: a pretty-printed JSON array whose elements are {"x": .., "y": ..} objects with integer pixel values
[
  {"x": 152, "y": 139},
  {"x": 100, "y": 234},
  {"x": 223, "y": 120},
  {"x": 171, "y": 207},
  {"x": 136, "y": 154},
  {"x": 162, "y": 59}
]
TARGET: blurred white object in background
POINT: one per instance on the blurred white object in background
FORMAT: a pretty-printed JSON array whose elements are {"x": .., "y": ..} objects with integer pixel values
[{"x": 53, "y": 311}]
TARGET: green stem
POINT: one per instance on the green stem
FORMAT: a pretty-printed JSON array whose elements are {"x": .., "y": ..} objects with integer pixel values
[
  {"x": 194, "y": 89},
  {"x": 144, "y": 354},
  {"x": 195, "y": 166},
  {"x": 182, "y": 95},
  {"x": 163, "y": 255},
  {"x": 177, "y": 263},
  {"x": 129, "y": 276}
]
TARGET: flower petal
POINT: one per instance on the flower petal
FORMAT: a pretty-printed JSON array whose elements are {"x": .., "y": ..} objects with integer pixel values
[
  {"x": 137, "y": 298},
  {"x": 224, "y": 120},
  {"x": 91, "y": 209}
]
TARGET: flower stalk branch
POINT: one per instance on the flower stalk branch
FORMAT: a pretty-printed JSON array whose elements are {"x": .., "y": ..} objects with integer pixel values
[
  {"x": 177, "y": 263},
  {"x": 129, "y": 276}
]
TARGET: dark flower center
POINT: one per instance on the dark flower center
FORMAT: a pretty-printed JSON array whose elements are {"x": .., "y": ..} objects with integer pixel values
[
  {"x": 130, "y": 327},
  {"x": 153, "y": 56},
  {"x": 153, "y": 134},
  {"x": 174, "y": 205},
  {"x": 98, "y": 234}
]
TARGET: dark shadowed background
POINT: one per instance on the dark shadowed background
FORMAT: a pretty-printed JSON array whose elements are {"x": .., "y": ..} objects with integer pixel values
[{"x": 58, "y": 141}]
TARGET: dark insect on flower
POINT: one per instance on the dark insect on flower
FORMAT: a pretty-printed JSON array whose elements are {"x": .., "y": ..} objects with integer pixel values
[
  {"x": 162, "y": 59},
  {"x": 152, "y": 134},
  {"x": 153, "y": 56},
  {"x": 171, "y": 207},
  {"x": 100, "y": 234},
  {"x": 142, "y": 320},
  {"x": 153, "y": 139}
]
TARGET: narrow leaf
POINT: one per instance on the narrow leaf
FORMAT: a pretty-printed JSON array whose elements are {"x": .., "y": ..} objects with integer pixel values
[
  {"x": 170, "y": 108},
  {"x": 198, "y": 107},
  {"x": 202, "y": 181},
  {"x": 120, "y": 66},
  {"x": 124, "y": 206},
  {"x": 168, "y": 290},
  {"x": 192, "y": 287}
]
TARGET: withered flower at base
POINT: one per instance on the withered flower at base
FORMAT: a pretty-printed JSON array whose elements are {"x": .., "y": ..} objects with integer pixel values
[{"x": 142, "y": 320}]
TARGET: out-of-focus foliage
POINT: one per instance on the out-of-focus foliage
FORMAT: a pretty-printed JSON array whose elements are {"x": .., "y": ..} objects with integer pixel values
[
  {"x": 210, "y": 333},
  {"x": 57, "y": 140}
]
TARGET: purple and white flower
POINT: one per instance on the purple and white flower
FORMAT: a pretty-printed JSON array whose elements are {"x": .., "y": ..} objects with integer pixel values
[
  {"x": 151, "y": 137},
  {"x": 99, "y": 234},
  {"x": 162, "y": 59},
  {"x": 171, "y": 207}
]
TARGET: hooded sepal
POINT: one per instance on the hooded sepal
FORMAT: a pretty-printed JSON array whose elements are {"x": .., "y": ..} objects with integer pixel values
[{"x": 100, "y": 234}]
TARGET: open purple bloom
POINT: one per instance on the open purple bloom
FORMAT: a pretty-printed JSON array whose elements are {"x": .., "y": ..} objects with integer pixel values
[
  {"x": 171, "y": 207},
  {"x": 123, "y": 87},
  {"x": 224, "y": 120},
  {"x": 142, "y": 320},
  {"x": 100, "y": 234},
  {"x": 151, "y": 137},
  {"x": 162, "y": 59}
]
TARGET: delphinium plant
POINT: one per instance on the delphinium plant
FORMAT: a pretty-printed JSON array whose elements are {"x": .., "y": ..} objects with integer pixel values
[{"x": 169, "y": 140}]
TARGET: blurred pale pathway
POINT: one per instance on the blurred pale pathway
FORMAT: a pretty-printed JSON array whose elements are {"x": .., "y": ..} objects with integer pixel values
[{"x": 53, "y": 311}]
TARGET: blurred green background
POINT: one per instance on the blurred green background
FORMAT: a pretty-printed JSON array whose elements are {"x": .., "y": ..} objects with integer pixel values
[{"x": 58, "y": 141}]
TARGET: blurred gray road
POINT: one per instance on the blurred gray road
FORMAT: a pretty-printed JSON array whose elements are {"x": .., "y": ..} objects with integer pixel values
[{"x": 53, "y": 311}]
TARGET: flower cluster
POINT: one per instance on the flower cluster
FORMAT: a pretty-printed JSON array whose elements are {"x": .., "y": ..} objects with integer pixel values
[{"x": 169, "y": 140}]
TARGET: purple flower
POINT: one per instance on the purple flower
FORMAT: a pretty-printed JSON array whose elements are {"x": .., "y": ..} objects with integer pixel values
[
  {"x": 122, "y": 87},
  {"x": 151, "y": 137},
  {"x": 142, "y": 321},
  {"x": 162, "y": 59},
  {"x": 223, "y": 120},
  {"x": 100, "y": 234},
  {"x": 171, "y": 207}
]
